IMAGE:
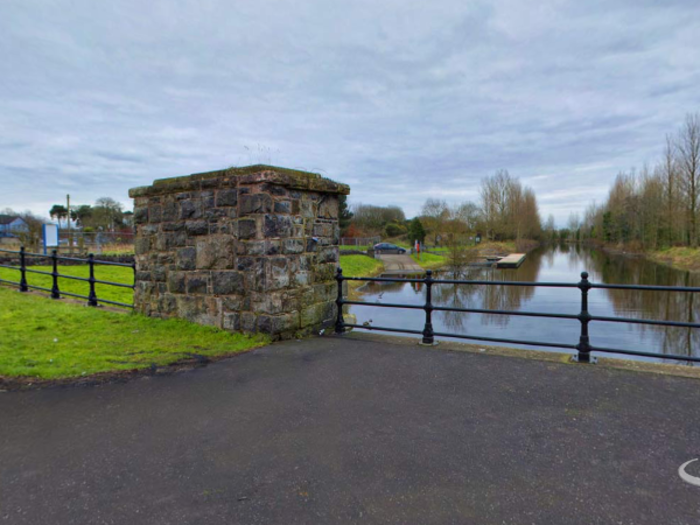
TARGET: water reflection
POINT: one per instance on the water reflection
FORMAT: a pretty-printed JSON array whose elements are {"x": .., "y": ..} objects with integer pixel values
[
  {"x": 493, "y": 297},
  {"x": 555, "y": 263}
]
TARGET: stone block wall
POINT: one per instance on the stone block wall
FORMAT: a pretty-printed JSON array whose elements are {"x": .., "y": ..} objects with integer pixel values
[{"x": 252, "y": 249}]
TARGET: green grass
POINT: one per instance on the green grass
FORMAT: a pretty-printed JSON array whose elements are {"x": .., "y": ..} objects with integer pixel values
[
  {"x": 116, "y": 274},
  {"x": 116, "y": 249},
  {"x": 360, "y": 266},
  {"x": 360, "y": 247},
  {"x": 48, "y": 339},
  {"x": 429, "y": 260}
]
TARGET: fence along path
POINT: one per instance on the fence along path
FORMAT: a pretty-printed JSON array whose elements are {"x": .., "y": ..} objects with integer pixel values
[
  {"x": 55, "y": 291},
  {"x": 583, "y": 347}
]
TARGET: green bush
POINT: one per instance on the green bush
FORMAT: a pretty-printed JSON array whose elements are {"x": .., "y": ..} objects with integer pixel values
[{"x": 394, "y": 230}]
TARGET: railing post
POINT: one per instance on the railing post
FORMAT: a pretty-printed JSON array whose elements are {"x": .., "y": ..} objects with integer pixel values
[
  {"x": 92, "y": 297},
  {"x": 428, "y": 338},
  {"x": 55, "y": 292},
  {"x": 23, "y": 287},
  {"x": 339, "y": 321},
  {"x": 583, "y": 346}
]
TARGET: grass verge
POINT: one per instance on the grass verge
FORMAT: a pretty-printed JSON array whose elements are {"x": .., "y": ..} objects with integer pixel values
[
  {"x": 116, "y": 274},
  {"x": 429, "y": 260},
  {"x": 48, "y": 339},
  {"x": 360, "y": 266},
  {"x": 361, "y": 247}
]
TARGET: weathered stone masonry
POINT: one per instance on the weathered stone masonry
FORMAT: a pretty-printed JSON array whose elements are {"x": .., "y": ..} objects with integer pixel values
[{"x": 252, "y": 249}]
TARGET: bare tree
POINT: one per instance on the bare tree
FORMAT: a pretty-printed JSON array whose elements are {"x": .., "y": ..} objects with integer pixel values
[
  {"x": 459, "y": 223},
  {"x": 467, "y": 213},
  {"x": 373, "y": 219},
  {"x": 550, "y": 227},
  {"x": 106, "y": 214},
  {"x": 434, "y": 214},
  {"x": 667, "y": 171},
  {"x": 658, "y": 207},
  {"x": 574, "y": 225},
  {"x": 508, "y": 209},
  {"x": 651, "y": 209},
  {"x": 688, "y": 158},
  {"x": 494, "y": 203},
  {"x": 531, "y": 222}
]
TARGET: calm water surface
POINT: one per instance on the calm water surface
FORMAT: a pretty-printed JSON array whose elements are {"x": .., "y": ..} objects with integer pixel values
[{"x": 562, "y": 264}]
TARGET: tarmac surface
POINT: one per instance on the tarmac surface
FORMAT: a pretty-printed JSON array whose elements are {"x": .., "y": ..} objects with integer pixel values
[
  {"x": 338, "y": 430},
  {"x": 400, "y": 264}
]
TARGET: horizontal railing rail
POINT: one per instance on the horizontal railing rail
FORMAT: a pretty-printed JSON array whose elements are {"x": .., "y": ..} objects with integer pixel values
[
  {"x": 55, "y": 291},
  {"x": 584, "y": 347}
]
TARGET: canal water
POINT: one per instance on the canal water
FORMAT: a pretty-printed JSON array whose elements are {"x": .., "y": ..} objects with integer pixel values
[{"x": 560, "y": 263}]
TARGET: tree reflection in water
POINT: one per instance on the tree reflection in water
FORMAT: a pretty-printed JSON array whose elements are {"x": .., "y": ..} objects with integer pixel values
[
  {"x": 491, "y": 297},
  {"x": 661, "y": 306},
  {"x": 561, "y": 264}
]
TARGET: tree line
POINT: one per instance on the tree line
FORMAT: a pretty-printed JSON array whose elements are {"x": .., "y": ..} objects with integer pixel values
[
  {"x": 506, "y": 210},
  {"x": 656, "y": 207},
  {"x": 105, "y": 215}
]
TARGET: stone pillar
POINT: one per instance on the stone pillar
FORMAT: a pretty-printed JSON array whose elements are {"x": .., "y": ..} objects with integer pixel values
[{"x": 251, "y": 249}]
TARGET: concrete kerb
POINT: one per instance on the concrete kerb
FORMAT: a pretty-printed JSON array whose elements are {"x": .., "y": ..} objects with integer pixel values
[{"x": 563, "y": 358}]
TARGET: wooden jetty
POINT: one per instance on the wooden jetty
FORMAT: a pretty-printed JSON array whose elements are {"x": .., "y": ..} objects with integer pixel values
[{"x": 514, "y": 260}]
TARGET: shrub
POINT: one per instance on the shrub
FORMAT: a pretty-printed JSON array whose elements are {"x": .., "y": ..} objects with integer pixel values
[{"x": 393, "y": 230}]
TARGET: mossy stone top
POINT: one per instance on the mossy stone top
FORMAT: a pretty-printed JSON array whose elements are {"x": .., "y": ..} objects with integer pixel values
[{"x": 233, "y": 177}]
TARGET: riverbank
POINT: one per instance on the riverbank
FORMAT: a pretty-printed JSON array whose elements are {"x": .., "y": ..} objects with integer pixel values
[
  {"x": 677, "y": 257},
  {"x": 484, "y": 250},
  {"x": 359, "y": 266}
]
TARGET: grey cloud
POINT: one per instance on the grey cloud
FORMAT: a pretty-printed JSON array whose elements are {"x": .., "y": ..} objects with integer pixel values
[{"x": 403, "y": 99}]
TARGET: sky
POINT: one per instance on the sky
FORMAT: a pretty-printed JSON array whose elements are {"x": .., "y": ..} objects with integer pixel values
[{"x": 402, "y": 100}]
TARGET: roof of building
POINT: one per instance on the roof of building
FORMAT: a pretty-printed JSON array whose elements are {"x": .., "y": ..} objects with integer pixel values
[{"x": 7, "y": 219}]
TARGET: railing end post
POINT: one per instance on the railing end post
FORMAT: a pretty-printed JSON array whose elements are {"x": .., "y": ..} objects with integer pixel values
[
  {"x": 339, "y": 320},
  {"x": 428, "y": 335},
  {"x": 584, "y": 346}
]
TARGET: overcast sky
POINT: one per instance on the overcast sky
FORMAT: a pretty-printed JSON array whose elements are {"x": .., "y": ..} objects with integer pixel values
[{"x": 402, "y": 100}]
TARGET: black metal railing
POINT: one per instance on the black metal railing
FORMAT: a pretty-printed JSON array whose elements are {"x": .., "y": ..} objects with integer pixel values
[
  {"x": 583, "y": 347},
  {"x": 55, "y": 291}
]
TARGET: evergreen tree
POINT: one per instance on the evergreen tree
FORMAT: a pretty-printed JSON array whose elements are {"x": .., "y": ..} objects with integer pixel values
[
  {"x": 58, "y": 212},
  {"x": 344, "y": 213},
  {"x": 416, "y": 232}
]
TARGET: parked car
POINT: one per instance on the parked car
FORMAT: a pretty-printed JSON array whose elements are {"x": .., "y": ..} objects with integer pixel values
[{"x": 385, "y": 247}]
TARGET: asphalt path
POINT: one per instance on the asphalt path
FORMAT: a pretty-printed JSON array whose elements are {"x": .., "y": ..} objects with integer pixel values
[
  {"x": 399, "y": 264},
  {"x": 336, "y": 430}
]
